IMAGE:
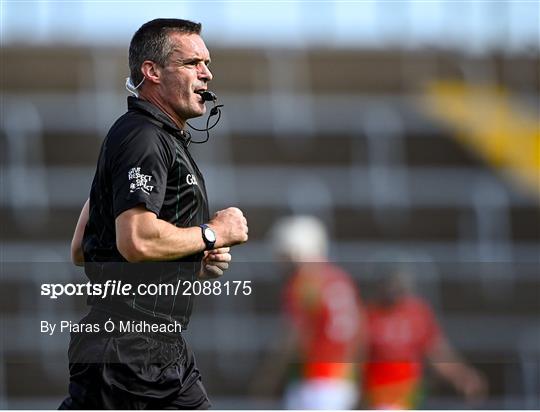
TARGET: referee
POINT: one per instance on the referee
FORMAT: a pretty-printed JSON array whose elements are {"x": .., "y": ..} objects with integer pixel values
[{"x": 147, "y": 222}]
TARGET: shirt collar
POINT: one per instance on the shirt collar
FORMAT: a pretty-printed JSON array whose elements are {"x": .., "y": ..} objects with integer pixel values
[{"x": 134, "y": 103}]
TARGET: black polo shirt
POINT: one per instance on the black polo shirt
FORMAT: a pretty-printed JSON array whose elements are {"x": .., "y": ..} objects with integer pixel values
[{"x": 144, "y": 160}]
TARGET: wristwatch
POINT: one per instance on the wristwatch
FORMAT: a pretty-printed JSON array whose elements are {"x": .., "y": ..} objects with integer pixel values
[{"x": 209, "y": 236}]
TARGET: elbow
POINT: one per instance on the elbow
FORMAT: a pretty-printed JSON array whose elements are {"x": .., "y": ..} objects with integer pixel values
[
  {"x": 132, "y": 249},
  {"x": 77, "y": 260},
  {"x": 77, "y": 255}
]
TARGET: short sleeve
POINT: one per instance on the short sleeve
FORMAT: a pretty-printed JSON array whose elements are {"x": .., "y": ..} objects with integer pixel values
[{"x": 139, "y": 166}]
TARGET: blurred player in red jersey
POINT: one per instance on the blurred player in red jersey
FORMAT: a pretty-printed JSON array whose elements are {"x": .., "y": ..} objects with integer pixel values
[
  {"x": 323, "y": 308},
  {"x": 403, "y": 332}
]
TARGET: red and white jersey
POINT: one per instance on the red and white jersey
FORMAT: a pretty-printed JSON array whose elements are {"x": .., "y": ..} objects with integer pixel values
[
  {"x": 400, "y": 336},
  {"x": 324, "y": 306},
  {"x": 404, "y": 332}
]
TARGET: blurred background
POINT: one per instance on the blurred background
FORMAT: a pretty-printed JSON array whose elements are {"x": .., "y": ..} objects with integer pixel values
[{"x": 410, "y": 128}]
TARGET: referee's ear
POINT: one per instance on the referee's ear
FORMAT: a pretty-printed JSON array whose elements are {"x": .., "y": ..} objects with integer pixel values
[{"x": 151, "y": 71}]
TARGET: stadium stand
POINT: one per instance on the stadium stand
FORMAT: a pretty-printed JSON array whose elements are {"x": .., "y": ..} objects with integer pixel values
[{"x": 344, "y": 134}]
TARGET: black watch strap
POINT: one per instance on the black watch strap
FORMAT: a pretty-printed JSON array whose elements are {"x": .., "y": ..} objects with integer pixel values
[{"x": 209, "y": 236}]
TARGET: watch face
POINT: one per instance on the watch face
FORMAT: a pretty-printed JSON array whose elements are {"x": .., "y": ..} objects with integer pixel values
[{"x": 209, "y": 235}]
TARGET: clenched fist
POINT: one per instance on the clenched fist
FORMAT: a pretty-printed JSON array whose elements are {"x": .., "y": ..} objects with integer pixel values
[
  {"x": 230, "y": 227},
  {"x": 214, "y": 263}
]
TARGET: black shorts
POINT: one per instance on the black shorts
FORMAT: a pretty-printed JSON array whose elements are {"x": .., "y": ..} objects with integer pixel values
[{"x": 132, "y": 371}]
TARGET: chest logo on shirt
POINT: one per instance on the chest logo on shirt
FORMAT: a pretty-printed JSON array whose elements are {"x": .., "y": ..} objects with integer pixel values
[
  {"x": 190, "y": 179},
  {"x": 138, "y": 181}
]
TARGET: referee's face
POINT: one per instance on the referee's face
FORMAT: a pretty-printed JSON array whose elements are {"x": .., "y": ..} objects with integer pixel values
[{"x": 185, "y": 74}]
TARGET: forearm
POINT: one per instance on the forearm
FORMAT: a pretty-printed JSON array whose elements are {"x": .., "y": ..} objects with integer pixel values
[
  {"x": 444, "y": 359},
  {"x": 142, "y": 236},
  {"x": 448, "y": 364},
  {"x": 169, "y": 242},
  {"x": 157, "y": 240},
  {"x": 77, "y": 255},
  {"x": 465, "y": 379},
  {"x": 450, "y": 370}
]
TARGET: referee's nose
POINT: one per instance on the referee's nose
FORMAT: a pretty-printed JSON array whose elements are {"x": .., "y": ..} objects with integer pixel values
[{"x": 205, "y": 73}]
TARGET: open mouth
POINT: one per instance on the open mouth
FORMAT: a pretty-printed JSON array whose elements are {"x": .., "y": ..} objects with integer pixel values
[{"x": 200, "y": 92}]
